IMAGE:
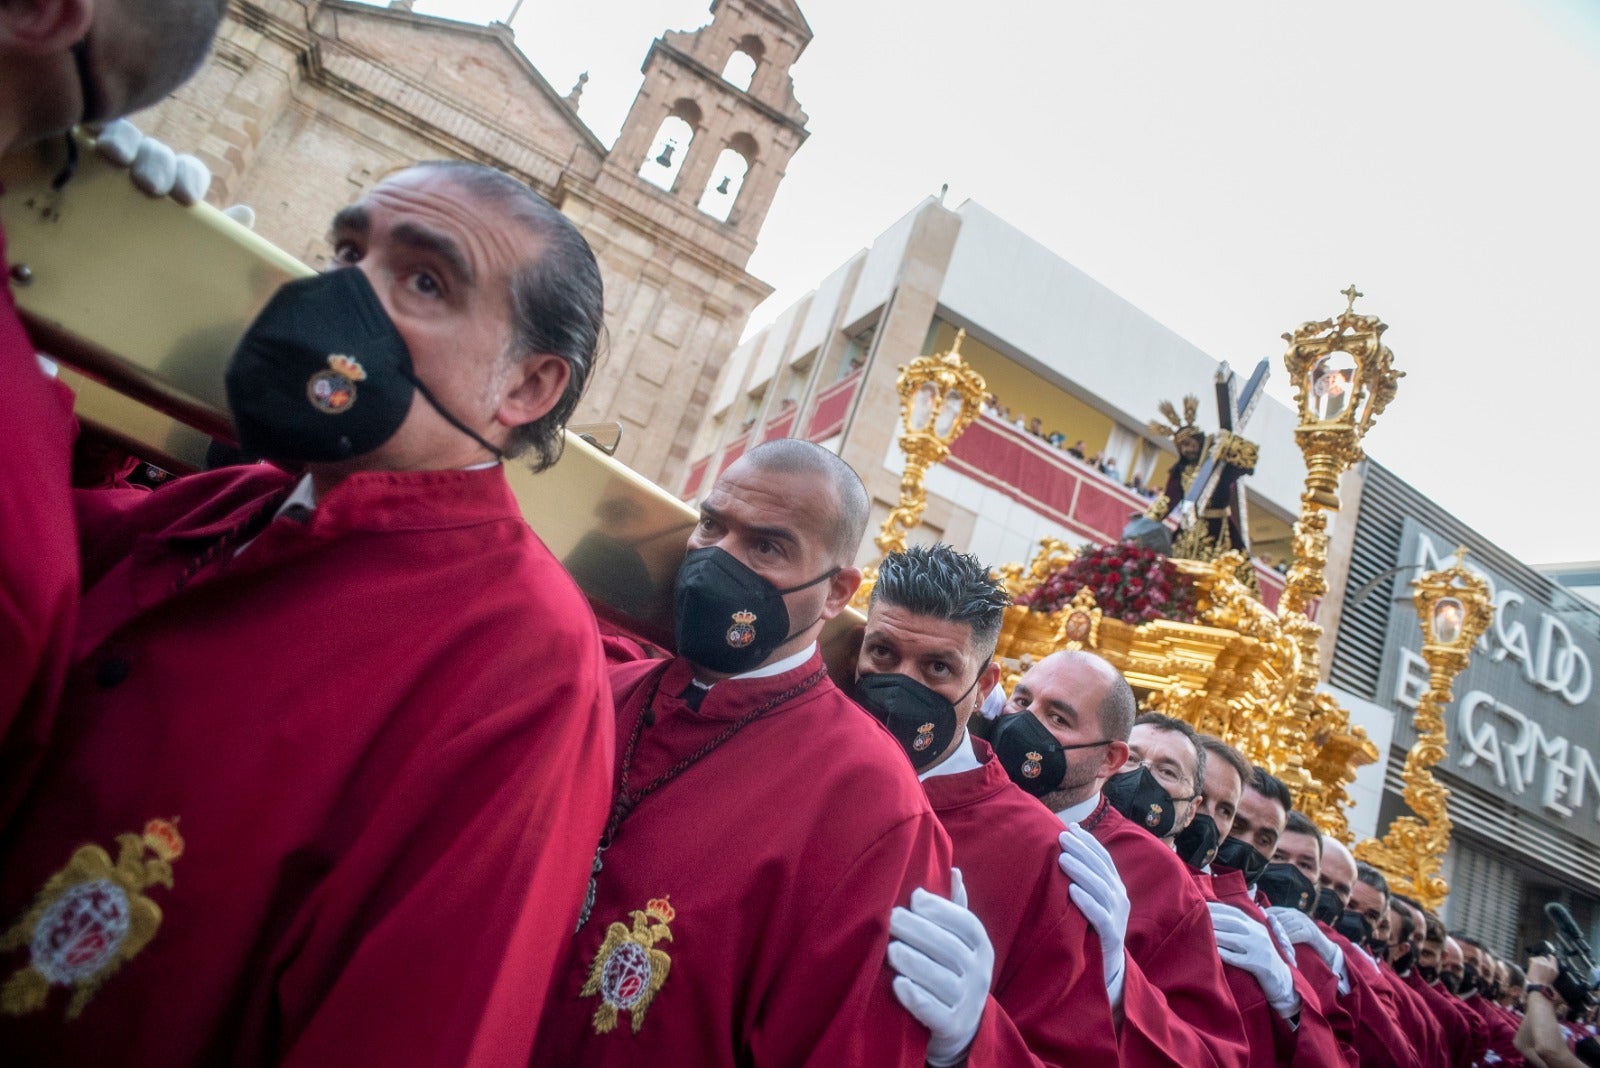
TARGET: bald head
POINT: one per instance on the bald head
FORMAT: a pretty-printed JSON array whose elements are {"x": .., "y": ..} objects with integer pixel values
[
  {"x": 1105, "y": 692},
  {"x": 847, "y": 496},
  {"x": 1338, "y": 868}
]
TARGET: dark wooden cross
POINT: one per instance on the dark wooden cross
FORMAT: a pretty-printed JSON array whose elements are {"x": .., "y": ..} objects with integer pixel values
[{"x": 1233, "y": 412}]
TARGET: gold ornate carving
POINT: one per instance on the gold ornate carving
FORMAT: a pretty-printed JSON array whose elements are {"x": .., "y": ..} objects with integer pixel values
[
  {"x": 1454, "y": 608},
  {"x": 939, "y": 397}
]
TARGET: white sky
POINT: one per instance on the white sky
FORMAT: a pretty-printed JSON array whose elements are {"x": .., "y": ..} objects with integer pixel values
[{"x": 1228, "y": 174}]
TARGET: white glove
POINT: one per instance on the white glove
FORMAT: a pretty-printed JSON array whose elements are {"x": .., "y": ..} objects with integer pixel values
[
  {"x": 1098, "y": 892},
  {"x": 153, "y": 166},
  {"x": 1302, "y": 930},
  {"x": 944, "y": 963},
  {"x": 1244, "y": 943},
  {"x": 1280, "y": 936}
]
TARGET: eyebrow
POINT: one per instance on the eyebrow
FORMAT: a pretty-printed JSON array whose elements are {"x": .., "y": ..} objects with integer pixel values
[
  {"x": 353, "y": 218},
  {"x": 424, "y": 240},
  {"x": 776, "y": 533}
]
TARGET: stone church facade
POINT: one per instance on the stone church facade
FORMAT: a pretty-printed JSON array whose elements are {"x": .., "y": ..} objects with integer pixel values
[{"x": 304, "y": 104}]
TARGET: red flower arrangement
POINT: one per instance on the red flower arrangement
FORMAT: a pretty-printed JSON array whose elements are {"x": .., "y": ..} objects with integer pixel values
[{"x": 1130, "y": 583}]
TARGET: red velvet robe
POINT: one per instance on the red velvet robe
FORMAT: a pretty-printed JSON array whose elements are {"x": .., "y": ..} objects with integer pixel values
[
  {"x": 1416, "y": 1018},
  {"x": 1464, "y": 1033},
  {"x": 1502, "y": 1035},
  {"x": 38, "y": 552},
  {"x": 1379, "y": 1037},
  {"x": 778, "y": 857},
  {"x": 1273, "y": 1040},
  {"x": 1170, "y": 939},
  {"x": 1048, "y": 1002},
  {"x": 383, "y": 734}
]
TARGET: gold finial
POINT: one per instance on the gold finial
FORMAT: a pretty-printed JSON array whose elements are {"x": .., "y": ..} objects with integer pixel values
[
  {"x": 955, "y": 347},
  {"x": 1351, "y": 294}
]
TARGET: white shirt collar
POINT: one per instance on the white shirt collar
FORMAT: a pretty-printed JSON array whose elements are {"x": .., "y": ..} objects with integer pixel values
[
  {"x": 304, "y": 495},
  {"x": 777, "y": 667},
  {"x": 1079, "y": 812},
  {"x": 965, "y": 758}
]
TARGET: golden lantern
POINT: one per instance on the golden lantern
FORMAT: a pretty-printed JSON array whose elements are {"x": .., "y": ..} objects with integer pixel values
[
  {"x": 1344, "y": 377},
  {"x": 1454, "y": 609},
  {"x": 940, "y": 396}
]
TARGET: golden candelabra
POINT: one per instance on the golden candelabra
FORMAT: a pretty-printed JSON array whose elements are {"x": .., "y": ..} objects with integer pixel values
[
  {"x": 940, "y": 396},
  {"x": 1454, "y": 608},
  {"x": 1344, "y": 377}
]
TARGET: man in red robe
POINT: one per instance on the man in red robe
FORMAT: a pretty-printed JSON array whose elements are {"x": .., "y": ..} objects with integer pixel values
[
  {"x": 1465, "y": 1035},
  {"x": 1405, "y": 935},
  {"x": 764, "y": 827},
  {"x": 61, "y": 62},
  {"x": 1476, "y": 964},
  {"x": 926, "y": 661},
  {"x": 1307, "y": 1035},
  {"x": 334, "y": 747},
  {"x": 1175, "y": 1005},
  {"x": 1376, "y": 1034}
]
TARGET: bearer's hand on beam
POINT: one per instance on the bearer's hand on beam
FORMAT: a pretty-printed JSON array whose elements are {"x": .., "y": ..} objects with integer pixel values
[{"x": 152, "y": 165}]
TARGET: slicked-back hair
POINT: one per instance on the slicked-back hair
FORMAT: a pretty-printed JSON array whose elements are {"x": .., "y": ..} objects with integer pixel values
[
  {"x": 940, "y": 582},
  {"x": 1299, "y": 823},
  {"x": 1435, "y": 926},
  {"x": 1366, "y": 873},
  {"x": 1217, "y": 749},
  {"x": 1271, "y": 787},
  {"x": 557, "y": 299},
  {"x": 796, "y": 456},
  {"x": 1178, "y": 726}
]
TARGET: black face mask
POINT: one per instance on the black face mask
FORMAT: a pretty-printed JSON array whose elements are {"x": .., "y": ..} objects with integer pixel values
[
  {"x": 725, "y": 616},
  {"x": 323, "y": 374},
  {"x": 1428, "y": 973},
  {"x": 1197, "y": 843},
  {"x": 1353, "y": 926},
  {"x": 1450, "y": 981},
  {"x": 1326, "y": 906},
  {"x": 1139, "y": 796},
  {"x": 1030, "y": 753},
  {"x": 1286, "y": 885},
  {"x": 1242, "y": 857},
  {"x": 1406, "y": 961},
  {"x": 1469, "y": 981},
  {"x": 921, "y": 720}
]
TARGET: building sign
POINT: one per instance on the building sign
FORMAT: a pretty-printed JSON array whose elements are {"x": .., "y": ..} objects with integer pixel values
[{"x": 1524, "y": 724}]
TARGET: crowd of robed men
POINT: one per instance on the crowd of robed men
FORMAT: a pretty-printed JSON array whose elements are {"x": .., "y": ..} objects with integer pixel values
[{"x": 324, "y": 760}]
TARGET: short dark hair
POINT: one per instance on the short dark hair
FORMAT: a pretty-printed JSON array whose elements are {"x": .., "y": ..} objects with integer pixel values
[
  {"x": 799, "y": 455},
  {"x": 1299, "y": 823},
  {"x": 1408, "y": 926},
  {"x": 1221, "y": 750},
  {"x": 557, "y": 299},
  {"x": 1366, "y": 873},
  {"x": 1271, "y": 787},
  {"x": 173, "y": 38},
  {"x": 1468, "y": 940},
  {"x": 938, "y": 581},
  {"x": 1178, "y": 726},
  {"x": 1435, "y": 927},
  {"x": 1515, "y": 976}
]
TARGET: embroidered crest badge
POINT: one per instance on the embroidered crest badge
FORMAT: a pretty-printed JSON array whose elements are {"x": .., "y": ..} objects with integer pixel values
[
  {"x": 334, "y": 390},
  {"x": 1032, "y": 764},
  {"x": 742, "y": 633},
  {"x": 629, "y": 969},
  {"x": 1153, "y": 817},
  {"x": 89, "y": 919},
  {"x": 924, "y": 737}
]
